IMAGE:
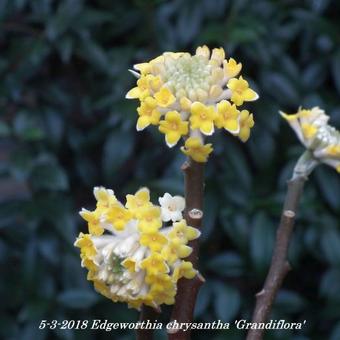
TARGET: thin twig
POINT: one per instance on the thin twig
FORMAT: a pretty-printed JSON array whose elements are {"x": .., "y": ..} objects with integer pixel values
[
  {"x": 188, "y": 289},
  {"x": 147, "y": 313},
  {"x": 279, "y": 266}
]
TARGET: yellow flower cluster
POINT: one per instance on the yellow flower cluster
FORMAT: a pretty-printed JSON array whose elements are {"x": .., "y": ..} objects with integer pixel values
[
  {"x": 190, "y": 95},
  {"x": 314, "y": 132},
  {"x": 129, "y": 255}
]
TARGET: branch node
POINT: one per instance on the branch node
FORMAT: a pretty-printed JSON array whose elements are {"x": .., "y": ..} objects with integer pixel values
[
  {"x": 157, "y": 308},
  {"x": 260, "y": 293},
  {"x": 200, "y": 277},
  {"x": 288, "y": 267},
  {"x": 185, "y": 166},
  {"x": 279, "y": 266},
  {"x": 183, "y": 310},
  {"x": 172, "y": 330},
  {"x": 195, "y": 214},
  {"x": 289, "y": 213}
]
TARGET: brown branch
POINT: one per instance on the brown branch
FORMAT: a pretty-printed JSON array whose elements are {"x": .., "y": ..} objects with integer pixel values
[
  {"x": 188, "y": 289},
  {"x": 279, "y": 266},
  {"x": 147, "y": 313}
]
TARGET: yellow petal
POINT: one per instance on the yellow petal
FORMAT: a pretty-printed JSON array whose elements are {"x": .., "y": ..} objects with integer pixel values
[
  {"x": 142, "y": 67},
  {"x": 172, "y": 138},
  {"x": 203, "y": 51},
  {"x": 232, "y": 125},
  {"x": 207, "y": 128},
  {"x": 133, "y": 93},
  {"x": 142, "y": 123},
  {"x": 250, "y": 95},
  {"x": 197, "y": 108},
  {"x": 185, "y": 104},
  {"x": 244, "y": 134}
]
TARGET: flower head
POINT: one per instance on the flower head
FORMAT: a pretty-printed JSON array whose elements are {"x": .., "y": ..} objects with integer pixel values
[
  {"x": 314, "y": 132},
  {"x": 192, "y": 95},
  {"x": 129, "y": 256}
]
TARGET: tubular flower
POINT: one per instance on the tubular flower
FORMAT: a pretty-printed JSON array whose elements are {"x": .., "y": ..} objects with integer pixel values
[
  {"x": 171, "y": 207},
  {"x": 194, "y": 148},
  {"x": 228, "y": 117},
  {"x": 148, "y": 113},
  {"x": 202, "y": 118},
  {"x": 192, "y": 95},
  {"x": 173, "y": 127},
  {"x": 246, "y": 123},
  {"x": 241, "y": 91},
  {"x": 185, "y": 269},
  {"x": 183, "y": 232},
  {"x": 314, "y": 132},
  {"x": 130, "y": 256}
]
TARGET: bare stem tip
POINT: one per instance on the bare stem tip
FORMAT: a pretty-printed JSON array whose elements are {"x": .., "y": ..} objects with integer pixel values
[
  {"x": 196, "y": 214},
  {"x": 289, "y": 213},
  {"x": 200, "y": 277},
  {"x": 172, "y": 330}
]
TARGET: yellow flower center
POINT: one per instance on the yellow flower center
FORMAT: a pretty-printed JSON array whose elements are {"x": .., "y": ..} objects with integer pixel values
[
  {"x": 174, "y": 126},
  {"x": 180, "y": 234}
]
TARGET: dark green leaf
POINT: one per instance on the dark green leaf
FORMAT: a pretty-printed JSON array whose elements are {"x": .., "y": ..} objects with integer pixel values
[
  {"x": 4, "y": 130},
  {"x": 289, "y": 302},
  {"x": 261, "y": 243},
  {"x": 329, "y": 185},
  {"x": 226, "y": 302},
  {"x": 203, "y": 299},
  {"x": 331, "y": 245},
  {"x": 77, "y": 298},
  {"x": 336, "y": 70},
  {"x": 50, "y": 177},
  {"x": 227, "y": 264}
]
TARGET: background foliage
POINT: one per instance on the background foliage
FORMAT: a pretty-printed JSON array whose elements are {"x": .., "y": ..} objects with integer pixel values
[{"x": 66, "y": 127}]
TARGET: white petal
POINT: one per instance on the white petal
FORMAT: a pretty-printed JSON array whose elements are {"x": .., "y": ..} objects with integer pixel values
[
  {"x": 295, "y": 125},
  {"x": 180, "y": 202},
  {"x": 136, "y": 74},
  {"x": 176, "y": 216},
  {"x": 166, "y": 215},
  {"x": 165, "y": 200}
]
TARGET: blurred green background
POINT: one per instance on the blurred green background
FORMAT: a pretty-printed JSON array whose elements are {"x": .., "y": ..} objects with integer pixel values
[{"x": 66, "y": 127}]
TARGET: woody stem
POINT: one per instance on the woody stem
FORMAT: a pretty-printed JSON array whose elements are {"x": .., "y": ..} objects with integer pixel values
[
  {"x": 279, "y": 266},
  {"x": 147, "y": 313},
  {"x": 187, "y": 290}
]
